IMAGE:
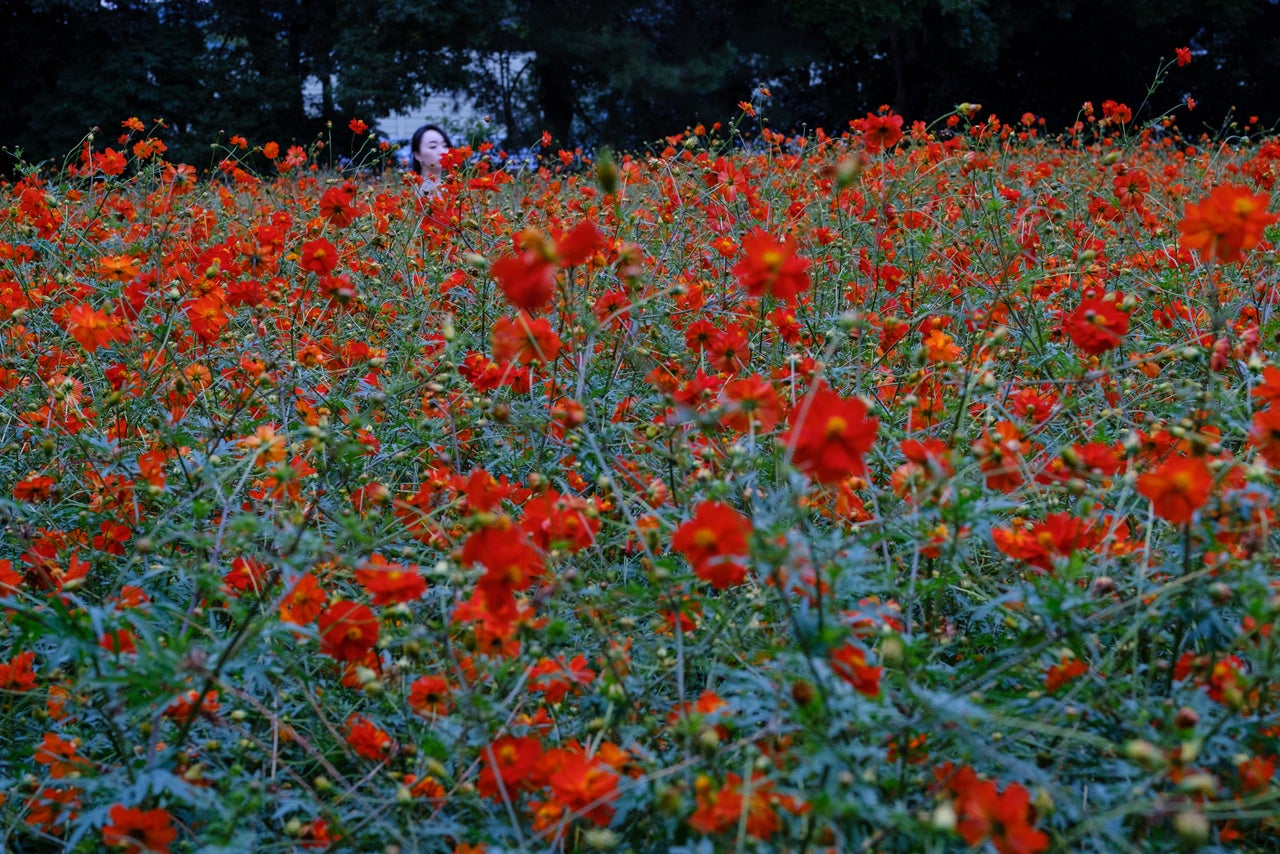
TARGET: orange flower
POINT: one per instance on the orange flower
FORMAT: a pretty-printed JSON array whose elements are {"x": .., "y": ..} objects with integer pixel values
[
  {"x": 51, "y": 809},
  {"x": 554, "y": 677},
  {"x": 338, "y": 205},
  {"x": 1226, "y": 223},
  {"x": 139, "y": 830},
  {"x": 207, "y": 316},
  {"x": 1056, "y": 538},
  {"x": 60, "y": 755},
  {"x": 268, "y": 445},
  {"x": 33, "y": 489},
  {"x": 118, "y": 268},
  {"x": 941, "y": 347},
  {"x": 1177, "y": 488},
  {"x": 303, "y": 603},
  {"x": 93, "y": 329}
]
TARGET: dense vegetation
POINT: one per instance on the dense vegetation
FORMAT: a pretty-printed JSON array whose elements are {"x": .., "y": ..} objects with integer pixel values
[{"x": 889, "y": 490}]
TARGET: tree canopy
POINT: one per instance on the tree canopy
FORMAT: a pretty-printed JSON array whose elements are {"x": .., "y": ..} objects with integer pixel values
[{"x": 593, "y": 71}]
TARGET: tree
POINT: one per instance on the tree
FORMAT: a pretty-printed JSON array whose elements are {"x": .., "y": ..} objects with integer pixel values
[{"x": 72, "y": 65}]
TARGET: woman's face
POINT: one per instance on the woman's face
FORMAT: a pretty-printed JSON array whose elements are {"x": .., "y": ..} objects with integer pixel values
[{"x": 430, "y": 149}]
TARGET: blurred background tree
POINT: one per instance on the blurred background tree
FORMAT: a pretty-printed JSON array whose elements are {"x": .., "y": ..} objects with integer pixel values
[{"x": 616, "y": 71}]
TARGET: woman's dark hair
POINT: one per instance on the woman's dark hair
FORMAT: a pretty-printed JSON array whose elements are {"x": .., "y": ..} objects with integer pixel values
[{"x": 417, "y": 140}]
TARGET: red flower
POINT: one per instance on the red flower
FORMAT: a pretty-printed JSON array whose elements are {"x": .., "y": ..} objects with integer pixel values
[
  {"x": 554, "y": 677},
  {"x": 337, "y": 205},
  {"x": 429, "y": 695},
  {"x": 771, "y": 267},
  {"x": 348, "y": 631},
  {"x": 730, "y": 349},
  {"x": 368, "y": 740},
  {"x": 1098, "y": 324},
  {"x": 1177, "y": 488},
  {"x": 1067, "y": 671},
  {"x": 829, "y": 436},
  {"x": 111, "y": 162},
  {"x": 33, "y": 489},
  {"x": 881, "y": 132},
  {"x": 504, "y": 551},
  {"x": 583, "y": 784},
  {"x": 751, "y": 403},
  {"x": 528, "y": 278},
  {"x": 139, "y": 830},
  {"x": 1058, "y": 537},
  {"x": 722, "y": 811},
  {"x": 1183, "y": 55},
  {"x": 1004, "y": 818},
  {"x": 713, "y": 541},
  {"x": 1265, "y": 435},
  {"x": 555, "y": 521},
  {"x": 526, "y": 339},
  {"x": 390, "y": 583},
  {"x": 1116, "y": 112},
  {"x": 577, "y": 246},
  {"x": 1000, "y": 456},
  {"x": 319, "y": 256},
  {"x": 1226, "y": 223},
  {"x": 17, "y": 676},
  {"x": 849, "y": 662},
  {"x": 509, "y": 764}
]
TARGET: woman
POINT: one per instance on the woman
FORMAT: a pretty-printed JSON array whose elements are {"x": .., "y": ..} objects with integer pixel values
[{"x": 428, "y": 146}]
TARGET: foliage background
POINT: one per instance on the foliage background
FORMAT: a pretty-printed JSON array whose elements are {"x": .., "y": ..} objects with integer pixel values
[{"x": 607, "y": 72}]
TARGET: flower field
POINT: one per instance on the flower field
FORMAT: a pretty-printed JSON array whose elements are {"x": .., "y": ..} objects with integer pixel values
[{"x": 908, "y": 488}]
